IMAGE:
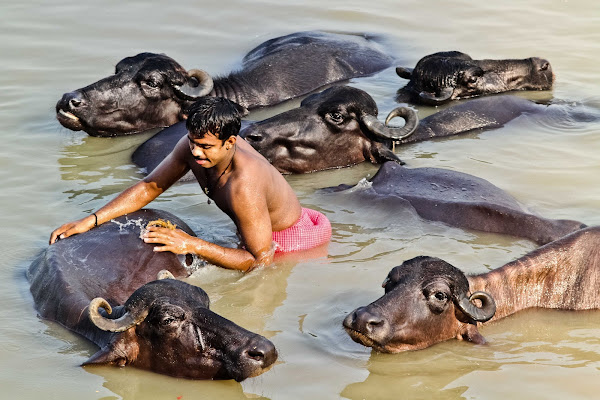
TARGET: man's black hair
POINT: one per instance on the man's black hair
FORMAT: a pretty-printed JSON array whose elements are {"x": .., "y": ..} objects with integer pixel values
[{"x": 216, "y": 115}]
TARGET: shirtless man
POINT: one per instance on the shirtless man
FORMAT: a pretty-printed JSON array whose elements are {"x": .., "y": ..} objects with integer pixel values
[{"x": 241, "y": 182}]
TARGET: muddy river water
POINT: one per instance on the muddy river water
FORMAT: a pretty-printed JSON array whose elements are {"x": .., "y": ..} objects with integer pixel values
[{"x": 551, "y": 164}]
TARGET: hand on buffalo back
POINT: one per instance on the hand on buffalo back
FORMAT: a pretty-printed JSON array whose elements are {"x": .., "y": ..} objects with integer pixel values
[
  {"x": 72, "y": 228},
  {"x": 173, "y": 240}
]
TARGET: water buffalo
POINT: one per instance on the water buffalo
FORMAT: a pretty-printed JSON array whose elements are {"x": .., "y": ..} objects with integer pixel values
[
  {"x": 444, "y": 76},
  {"x": 338, "y": 127},
  {"x": 428, "y": 301},
  {"x": 101, "y": 285},
  {"x": 152, "y": 90},
  {"x": 460, "y": 200}
]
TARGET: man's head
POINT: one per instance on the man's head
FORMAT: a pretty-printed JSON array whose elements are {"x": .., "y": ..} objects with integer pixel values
[
  {"x": 213, "y": 124},
  {"x": 215, "y": 115}
]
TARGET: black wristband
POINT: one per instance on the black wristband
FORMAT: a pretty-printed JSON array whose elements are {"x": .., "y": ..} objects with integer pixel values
[{"x": 95, "y": 219}]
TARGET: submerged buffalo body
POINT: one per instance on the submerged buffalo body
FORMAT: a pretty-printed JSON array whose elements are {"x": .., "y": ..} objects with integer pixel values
[
  {"x": 101, "y": 284},
  {"x": 446, "y": 76},
  {"x": 428, "y": 301},
  {"x": 152, "y": 90},
  {"x": 463, "y": 201}
]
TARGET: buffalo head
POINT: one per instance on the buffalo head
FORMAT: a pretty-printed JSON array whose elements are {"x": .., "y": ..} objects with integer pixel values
[
  {"x": 426, "y": 301},
  {"x": 166, "y": 326},
  {"x": 331, "y": 129},
  {"x": 147, "y": 91},
  {"x": 441, "y": 77}
]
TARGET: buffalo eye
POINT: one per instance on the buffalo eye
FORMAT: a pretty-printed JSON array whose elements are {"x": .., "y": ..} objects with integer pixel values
[
  {"x": 170, "y": 317},
  {"x": 167, "y": 321},
  {"x": 151, "y": 83},
  {"x": 335, "y": 117},
  {"x": 437, "y": 300}
]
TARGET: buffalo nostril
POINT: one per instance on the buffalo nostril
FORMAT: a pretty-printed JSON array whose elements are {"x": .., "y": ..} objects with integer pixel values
[
  {"x": 545, "y": 66},
  {"x": 374, "y": 323},
  {"x": 262, "y": 353},
  {"x": 70, "y": 101},
  {"x": 254, "y": 137},
  {"x": 75, "y": 102},
  {"x": 365, "y": 321},
  {"x": 256, "y": 354}
]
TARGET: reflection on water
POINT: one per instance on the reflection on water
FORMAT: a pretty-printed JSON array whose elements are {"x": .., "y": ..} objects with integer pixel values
[
  {"x": 548, "y": 161},
  {"x": 522, "y": 354}
]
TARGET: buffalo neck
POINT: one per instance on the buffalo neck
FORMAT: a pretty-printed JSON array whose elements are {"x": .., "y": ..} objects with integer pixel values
[{"x": 564, "y": 274}]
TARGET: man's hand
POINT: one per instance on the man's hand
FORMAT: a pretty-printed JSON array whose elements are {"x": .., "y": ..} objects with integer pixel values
[
  {"x": 173, "y": 240},
  {"x": 72, "y": 228}
]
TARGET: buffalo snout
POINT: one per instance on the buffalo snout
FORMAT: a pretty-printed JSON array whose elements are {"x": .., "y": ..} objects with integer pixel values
[
  {"x": 544, "y": 73},
  {"x": 67, "y": 110},
  {"x": 256, "y": 357},
  {"x": 262, "y": 352},
  {"x": 367, "y": 323},
  {"x": 70, "y": 101}
]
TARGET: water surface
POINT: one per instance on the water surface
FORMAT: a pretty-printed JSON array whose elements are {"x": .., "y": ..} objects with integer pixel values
[{"x": 550, "y": 164}]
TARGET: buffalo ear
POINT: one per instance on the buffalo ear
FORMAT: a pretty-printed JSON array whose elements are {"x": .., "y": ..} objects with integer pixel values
[
  {"x": 404, "y": 72},
  {"x": 471, "y": 334},
  {"x": 380, "y": 153},
  {"x": 122, "y": 350},
  {"x": 106, "y": 356}
]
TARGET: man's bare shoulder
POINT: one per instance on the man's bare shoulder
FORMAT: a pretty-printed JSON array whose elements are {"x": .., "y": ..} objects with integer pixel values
[{"x": 251, "y": 164}]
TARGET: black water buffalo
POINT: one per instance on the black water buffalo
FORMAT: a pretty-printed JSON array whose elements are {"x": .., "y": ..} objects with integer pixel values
[
  {"x": 441, "y": 77},
  {"x": 460, "y": 200},
  {"x": 152, "y": 90},
  {"x": 335, "y": 128},
  {"x": 101, "y": 285},
  {"x": 428, "y": 301},
  {"x": 338, "y": 127}
]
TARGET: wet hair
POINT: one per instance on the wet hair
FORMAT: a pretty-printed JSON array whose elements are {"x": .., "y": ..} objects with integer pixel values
[{"x": 216, "y": 115}]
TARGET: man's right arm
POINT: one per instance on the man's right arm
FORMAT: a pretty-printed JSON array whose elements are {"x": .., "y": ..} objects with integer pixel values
[{"x": 173, "y": 167}]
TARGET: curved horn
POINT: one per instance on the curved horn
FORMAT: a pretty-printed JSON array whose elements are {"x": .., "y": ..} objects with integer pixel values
[
  {"x": 387, "y": 132},
  {"x": 483, "y": 314},
  {"x": 113, "y": 325},
  {"x": 203, "y": 86},
  {"x": 164, "y": 274},
  {"x": 433, "y": 100}
]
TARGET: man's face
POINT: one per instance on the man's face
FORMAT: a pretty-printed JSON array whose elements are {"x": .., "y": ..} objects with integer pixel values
[{"x": 208, "y": 150}]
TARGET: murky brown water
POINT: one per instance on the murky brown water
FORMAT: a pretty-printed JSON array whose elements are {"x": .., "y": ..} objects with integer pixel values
[{"x": 51, "y": 175}]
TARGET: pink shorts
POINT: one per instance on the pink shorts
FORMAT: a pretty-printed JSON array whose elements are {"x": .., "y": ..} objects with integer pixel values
[{"x": 311, "y": 230}]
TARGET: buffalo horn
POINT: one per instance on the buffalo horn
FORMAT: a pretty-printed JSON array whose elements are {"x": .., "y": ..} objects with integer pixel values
[
  {"x": 387, "y": 132},
  {"x": 433, "y": 100},
  {"x": 483, "y": 314},
  {"x": 192, "y": 90},
  {"x": 164, "y": 274},
  {"x": 113, "y": 325}
]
